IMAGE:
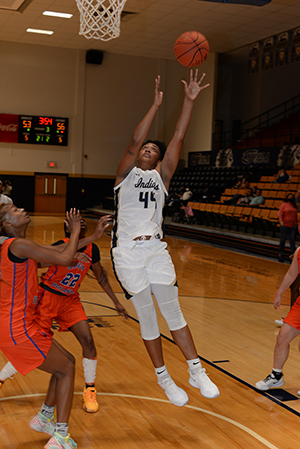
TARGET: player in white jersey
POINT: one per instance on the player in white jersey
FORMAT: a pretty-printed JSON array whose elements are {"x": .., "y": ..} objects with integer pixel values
[{"x": 141, "y": 262}]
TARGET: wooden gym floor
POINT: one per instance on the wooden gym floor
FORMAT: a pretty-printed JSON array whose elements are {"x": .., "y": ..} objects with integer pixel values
[{"x": 227, "y": 300}]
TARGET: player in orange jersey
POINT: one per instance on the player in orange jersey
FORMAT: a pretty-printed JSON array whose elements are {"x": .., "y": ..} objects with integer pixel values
[
  {"x": 23, "y": 342},
  {"x": 58, "y": 299},
  {"x": 288, "y": 331}
]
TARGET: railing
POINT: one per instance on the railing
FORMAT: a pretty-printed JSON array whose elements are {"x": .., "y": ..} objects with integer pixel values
[{"x": 255, "y": 132}]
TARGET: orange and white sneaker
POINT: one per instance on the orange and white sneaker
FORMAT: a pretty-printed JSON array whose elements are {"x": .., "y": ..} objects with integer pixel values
[
  {"x": 42, "y": 424},
  {"x": 59, "y": 442},
  {"x": 90, "y": 403}
]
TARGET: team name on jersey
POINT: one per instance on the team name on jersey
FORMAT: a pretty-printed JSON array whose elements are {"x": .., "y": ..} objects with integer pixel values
[
  {"x": 78, "y": 265},
  {"x": 62, "y": 289},
  {"x": 146, "y": 185}
]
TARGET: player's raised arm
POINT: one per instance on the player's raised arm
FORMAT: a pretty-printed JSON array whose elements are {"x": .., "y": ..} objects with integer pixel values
[
  {"x": 24, "y": 248},
  {"x": 101, "y": 226},
  {"x": 169, "y": 163},
  {"x": 140, "y": 133}
]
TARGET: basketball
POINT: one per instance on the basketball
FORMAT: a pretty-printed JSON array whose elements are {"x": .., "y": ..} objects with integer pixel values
[{"x": 191, "y": 49}]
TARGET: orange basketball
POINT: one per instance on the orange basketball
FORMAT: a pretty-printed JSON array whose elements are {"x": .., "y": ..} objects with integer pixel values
[{"x": 191, "y": 49}]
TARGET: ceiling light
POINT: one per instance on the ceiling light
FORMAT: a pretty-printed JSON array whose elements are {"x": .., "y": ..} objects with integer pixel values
[
  {"x": 57, "y": 14},
  {"x": 33, "y": 30}
]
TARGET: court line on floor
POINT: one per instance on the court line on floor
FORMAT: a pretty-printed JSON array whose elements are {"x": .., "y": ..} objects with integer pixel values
[
  {"x": 205, "y": 297},
  {"x": 192, "y": 407},
  {"x": 227, "y": 373}
]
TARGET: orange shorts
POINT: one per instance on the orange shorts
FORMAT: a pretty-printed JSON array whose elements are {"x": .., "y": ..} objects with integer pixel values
[
  {"x": 66, "y": 310},
  {"x": 293, "y": 317},
  {"x": 30, "y": 354}
]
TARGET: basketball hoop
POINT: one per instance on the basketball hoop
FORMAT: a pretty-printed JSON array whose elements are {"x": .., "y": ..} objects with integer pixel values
[{"x": 100, "y": 19}]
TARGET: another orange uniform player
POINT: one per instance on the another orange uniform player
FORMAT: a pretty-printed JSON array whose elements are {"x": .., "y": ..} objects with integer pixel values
[
  {"x": 58, "y": 299},
  {"x": 23, "y": 342}
]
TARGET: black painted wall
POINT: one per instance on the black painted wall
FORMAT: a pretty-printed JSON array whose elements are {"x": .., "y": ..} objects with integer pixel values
[{"x": 81, "y": 192}]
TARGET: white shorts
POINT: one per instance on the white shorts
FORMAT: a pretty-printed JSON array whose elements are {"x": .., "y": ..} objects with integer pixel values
[{"x": 141, "y": 263}]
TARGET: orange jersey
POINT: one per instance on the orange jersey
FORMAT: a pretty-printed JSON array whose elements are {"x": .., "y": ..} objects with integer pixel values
[
  {"x": 18, "y": 296},
  {"x": 66, "y": 280}
]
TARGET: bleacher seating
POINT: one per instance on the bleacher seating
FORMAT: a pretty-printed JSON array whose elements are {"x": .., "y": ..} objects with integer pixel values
[
  {"x": 261, "y": 219},
  {"x": 198, "y": 178},
  {"x": 285, "y": 131}
]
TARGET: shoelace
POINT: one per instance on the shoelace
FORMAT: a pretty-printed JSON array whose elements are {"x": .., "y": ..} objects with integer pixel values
[
  {"x": 204, "y": 376},
  {"x": 91, "y": 395},
  {"x": 68, "y": 440}
]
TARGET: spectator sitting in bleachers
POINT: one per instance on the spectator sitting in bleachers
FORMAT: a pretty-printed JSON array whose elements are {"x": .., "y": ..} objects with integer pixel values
[
  {"x": 182, "y": 199},
  {"x": 242, "y": 183},
  {"x": 206, "y": 196},
  {"x": 173, "y": 197},
  {"x": 240, "y": 199},
  {"x": 186, "y": 196},
  {"x": 257, "y": 199},
  {"x": 176, "y": 200},
  {"x": 283, "y": 177}
]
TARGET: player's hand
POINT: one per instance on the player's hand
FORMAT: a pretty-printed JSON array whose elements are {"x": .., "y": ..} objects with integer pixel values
[
  {"x": 73, "y": 221},
  {"x": 102, "y": 224},
  {"x": 194, "y": 87},
  {"x": 158, "y": 94},
  {"x": 82, "y": 257},
  {"x": 277, "y": 301},
  {"x": 121, "y": 310}
]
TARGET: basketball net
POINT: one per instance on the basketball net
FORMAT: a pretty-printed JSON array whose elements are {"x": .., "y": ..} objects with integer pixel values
[{"x": 100, "y": 19}]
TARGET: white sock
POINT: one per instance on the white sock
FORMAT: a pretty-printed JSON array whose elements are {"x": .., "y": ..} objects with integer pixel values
[
  {"x": 7, "y": 371},
  {"x": 161, "y": 373},
  {"x": 276, "y": 370},
  {"x": 194, "y": 365},
  {"x": 89, "y": 367}
]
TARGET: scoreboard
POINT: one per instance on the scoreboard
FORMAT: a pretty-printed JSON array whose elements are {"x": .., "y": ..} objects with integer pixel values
[{"x": 43, "y": 130}]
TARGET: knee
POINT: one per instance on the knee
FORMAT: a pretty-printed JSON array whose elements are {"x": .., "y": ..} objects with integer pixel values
[
  {"x": 172, "y": 313},
  {"x": 282, "y": 340},
  {"x": 148, "y": 323},
  {"x": 66, "y": 369},
  {"x": 175, "y": 319},
  {"x": 88, "y": 344}
]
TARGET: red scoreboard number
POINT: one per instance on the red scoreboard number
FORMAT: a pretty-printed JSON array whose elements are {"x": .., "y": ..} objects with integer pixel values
[
  {"x": 43, "y": 130},
  {"x": 45, "y": 120}
]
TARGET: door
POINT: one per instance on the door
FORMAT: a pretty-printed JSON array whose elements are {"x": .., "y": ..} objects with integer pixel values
[{"x": 50, "y": 193}]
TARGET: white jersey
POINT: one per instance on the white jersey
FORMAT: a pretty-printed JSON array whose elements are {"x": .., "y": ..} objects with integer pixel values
[{"x": 139, "y": 201}]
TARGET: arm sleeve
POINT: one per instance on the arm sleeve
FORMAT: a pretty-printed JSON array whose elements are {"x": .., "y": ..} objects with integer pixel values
[
  {"x": 95, "y": 253},
  {"x": 59, "y": 242}
]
